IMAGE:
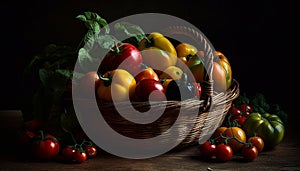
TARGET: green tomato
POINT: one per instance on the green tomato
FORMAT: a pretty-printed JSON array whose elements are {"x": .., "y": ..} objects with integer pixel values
[{"x": 267, "y": 126}]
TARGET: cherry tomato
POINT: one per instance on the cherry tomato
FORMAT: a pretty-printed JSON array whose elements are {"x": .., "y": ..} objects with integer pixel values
[
  {"x": 23, "y": 143},
  {"x": 91, "y": 151},
  {"x": 257, "y": 142},
  {"x": 25, "y": 138},
  {"x": 245, "y": 108},
  {"x": 207, "y": 150},
  {"x": 223, "y": 152},
  {"x": 150, "y": 86},
  {"x": 234, "y": 111},
  {"x": 35, "y": 125},
  {"x": 68, "y": 153},
  {"x": 238, "y": 133},
  {"x": 86, "y": 82},
  {"x": 239, "y": 119},
  {"x": 249, "y": 153},
  {"x": 45, "y": 147},
  {"x": 79, "y": 157}
]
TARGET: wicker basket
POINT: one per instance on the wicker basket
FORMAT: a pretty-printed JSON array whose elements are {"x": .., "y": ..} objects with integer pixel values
[{"x": 211, "y": 108}]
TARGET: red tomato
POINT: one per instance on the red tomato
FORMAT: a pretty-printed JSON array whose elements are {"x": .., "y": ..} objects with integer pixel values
[
  {"x": 207, "y": 150},
  {"x": 89, "y": 80},
  {"x": 25, "y": 138},
  {"x": 91, "y": 151},
  {"x": 234, "y": 111},
  {"x": 68, "y": 153},
  {"x": 79, "y": 157},
  {"x": 239, "y": 119},
  {"x": 45, "y": 147},
  {"x": 245, "y": 108},
  {"x": 35, "y": 125},
  {"x": 223, "y": 152},
  {"x": 149, "y": 86},
  {"x": 249, "y": 153},
  {"x": 125, "y": 54}
]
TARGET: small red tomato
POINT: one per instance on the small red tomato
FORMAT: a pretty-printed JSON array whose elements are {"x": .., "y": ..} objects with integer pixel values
[
  {"x": 150, "y": 89},
  {"x": 25, "y": 138},
  {"x": 234, "y": 111},
  {"x": 91, "y": 151},
  {"x": 35, "y": 125},
  {"x": 45, "y": 147},
  {"x": 249, "y": 153},
  {"x": 245, "y": 108},
  {"x": 239, "y": 119},
  {"x": 207, "y": 150},
  {"x": 223, "y": 152},
  {"x": 79, "y": 157},
  {"x": 68, "y": 153}
]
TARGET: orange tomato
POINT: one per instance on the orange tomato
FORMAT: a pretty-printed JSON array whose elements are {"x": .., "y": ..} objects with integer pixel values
[
  {"x": 257, "y": 142},
  {"x": 238, "y": 133},
  {"x": 219, "y": 131}
]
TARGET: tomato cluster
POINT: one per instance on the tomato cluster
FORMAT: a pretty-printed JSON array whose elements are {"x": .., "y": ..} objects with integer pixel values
[
  {"x": 36, "y": 143},
  {"x": 79, "y": 153},
  {"x": 227, "y": 141},
  {"x": 237, "y": 115},
  {"x": 155, "y": 69}
]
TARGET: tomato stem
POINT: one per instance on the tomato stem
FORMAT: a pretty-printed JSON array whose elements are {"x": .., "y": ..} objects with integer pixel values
[
  {"x": 42, "y": 135},
  {"x": 106, "y": 80},
  {"x": 238, "y": 140},
  {"x": 149, "y": 42}
]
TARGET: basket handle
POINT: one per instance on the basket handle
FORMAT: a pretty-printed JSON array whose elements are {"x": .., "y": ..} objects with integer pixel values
[{"x": 207, "y": 91}]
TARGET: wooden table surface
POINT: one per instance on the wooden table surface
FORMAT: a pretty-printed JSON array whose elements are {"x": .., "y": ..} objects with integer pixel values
[{"x": 284, "y": 157}]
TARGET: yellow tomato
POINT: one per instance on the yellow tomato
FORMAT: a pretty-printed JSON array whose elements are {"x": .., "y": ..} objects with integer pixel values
[
  {"x": 116, "y": 85},
  {"x": 172, "y": 72}
]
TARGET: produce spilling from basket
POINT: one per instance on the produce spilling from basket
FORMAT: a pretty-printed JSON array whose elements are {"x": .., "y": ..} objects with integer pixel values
[{"x": 130, "y": 71}]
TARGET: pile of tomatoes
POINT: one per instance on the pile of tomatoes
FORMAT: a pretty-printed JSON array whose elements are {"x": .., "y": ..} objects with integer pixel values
[
  {"x": 156, "y": 68},
  {"x": 227, "y": 141},
  {"x": 36, "y": 143},
  {"x": 245, "y": 133}
]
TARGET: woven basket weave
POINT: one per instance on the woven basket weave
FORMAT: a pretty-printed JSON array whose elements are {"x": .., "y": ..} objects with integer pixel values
[{"x": 211, "y": 108}]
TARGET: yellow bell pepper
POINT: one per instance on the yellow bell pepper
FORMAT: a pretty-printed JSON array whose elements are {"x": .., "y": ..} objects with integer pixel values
[
  {"x": 161, "y": 42},
  {"x": 116, "y": 85}
]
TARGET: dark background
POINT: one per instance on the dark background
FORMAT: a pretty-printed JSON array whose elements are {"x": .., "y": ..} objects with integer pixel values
[{"x": 259, "y": 37}]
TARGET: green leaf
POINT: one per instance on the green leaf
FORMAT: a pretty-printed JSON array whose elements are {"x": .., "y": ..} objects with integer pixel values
[
  {"x": 277, "y": 110},
  {"x": 260, "y": 103},
  {"x": 56, "y": 80},
  {"x": 94, "y": 22},
  {"x": 107, "y": 41},
  {"x": 84, "y": 57},
  {"x": 131, "y": 30},
  {"x": 241, "y": 99},
  {"x": 68, "y": 120}
]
